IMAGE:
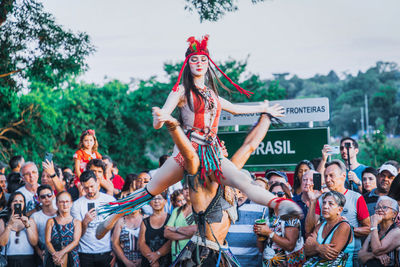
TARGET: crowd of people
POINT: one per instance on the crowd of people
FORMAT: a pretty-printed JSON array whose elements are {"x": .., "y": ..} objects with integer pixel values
[
  {"x": 50, "y": 219},
  {"x": 199, "y": 208}
]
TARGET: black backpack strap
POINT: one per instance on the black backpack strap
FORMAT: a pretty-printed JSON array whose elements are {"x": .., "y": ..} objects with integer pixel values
[{"x": 335, "y": 227}]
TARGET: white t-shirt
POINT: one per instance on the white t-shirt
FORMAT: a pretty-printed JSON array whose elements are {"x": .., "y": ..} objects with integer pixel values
[
  {"x": 29, "y": 198},
  {"x": 41, "y": 219},
  {"x": 89, "y": 243}
]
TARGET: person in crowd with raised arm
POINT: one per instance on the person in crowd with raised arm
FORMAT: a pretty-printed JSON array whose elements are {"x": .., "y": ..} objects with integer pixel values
[
  {"x": 92, "y": 252},
  {"x": 283, "y": 243},
  {"x": 18, "y": 233},
  {"x": 380, "y": 247}
]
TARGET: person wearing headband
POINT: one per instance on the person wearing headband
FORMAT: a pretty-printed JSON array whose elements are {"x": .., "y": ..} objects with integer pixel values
[{"x": 200, "y": 107}]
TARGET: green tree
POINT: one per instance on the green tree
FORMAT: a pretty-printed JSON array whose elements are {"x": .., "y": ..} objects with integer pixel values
[
  {"x": 213, "y": 10},
  {"x": 35, "y": 53}
]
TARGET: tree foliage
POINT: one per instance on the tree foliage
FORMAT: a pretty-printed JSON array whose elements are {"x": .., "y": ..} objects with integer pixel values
[
  {"x": 213, "y": 10},
  {"x": 380, "y": 83},
  {"x": 35, "y": 54}
]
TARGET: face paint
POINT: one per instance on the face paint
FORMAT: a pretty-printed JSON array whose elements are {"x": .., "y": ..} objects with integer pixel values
[{"x": 198, "y": 65}]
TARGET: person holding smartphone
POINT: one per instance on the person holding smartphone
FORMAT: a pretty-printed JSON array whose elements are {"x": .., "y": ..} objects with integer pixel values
[
  {"x": 19, "y": 234},
  {"x": 311, "y": 188},
  {"x": 348, "y": 151},
  {"x": 92, "y": 252}
]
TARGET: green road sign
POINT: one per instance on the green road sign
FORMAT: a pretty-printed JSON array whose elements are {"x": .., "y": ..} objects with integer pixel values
[{"x": 281, "y": 147}]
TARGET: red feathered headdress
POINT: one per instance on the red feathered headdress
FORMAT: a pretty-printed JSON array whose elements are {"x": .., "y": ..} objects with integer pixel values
[{"x": 200, "y": 48}]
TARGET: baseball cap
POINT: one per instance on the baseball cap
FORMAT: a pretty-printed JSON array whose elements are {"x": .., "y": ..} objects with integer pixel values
[
  {"x": 390, "y": 168},
  {"x": 279, "y": 173}
]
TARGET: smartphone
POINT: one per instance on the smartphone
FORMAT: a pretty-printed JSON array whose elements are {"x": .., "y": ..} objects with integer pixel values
[
  {"x": 18, "y": 208},
  {"x": 334, "y": 150},
  {"x": 48, "y": 156},
  {"x": 317, "y": 181},
  {"x": 90, "y": 206}
]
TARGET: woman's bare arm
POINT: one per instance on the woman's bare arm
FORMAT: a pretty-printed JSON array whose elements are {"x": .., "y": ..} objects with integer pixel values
[
  {"x": 263, "y": 107},
  {"x": 116, "y": 243},
  {"x": 287, "y": 242},
  {"x": 364, "y": 255},
  {"x": 170, "y": 104},
  {"x": 390, "y": 242}
]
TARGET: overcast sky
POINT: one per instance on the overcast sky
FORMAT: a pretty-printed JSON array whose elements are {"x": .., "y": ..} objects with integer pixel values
[{"x": 134, "y": 38}]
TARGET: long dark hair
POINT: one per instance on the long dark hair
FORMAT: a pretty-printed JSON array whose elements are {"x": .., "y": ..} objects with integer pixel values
[
  {"x": 296, "y": 179},
  {"x": 6, "y": 213},
  {"x": 374, "y": 172},
  {"x": 130, "y": 178},
  {"x": 188, "y": 82}
]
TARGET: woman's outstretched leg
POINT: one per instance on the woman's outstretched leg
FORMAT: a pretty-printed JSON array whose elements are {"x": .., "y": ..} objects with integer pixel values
[
  {"x": 169, "y": 173},
  {"x": 235, "y": 178}
]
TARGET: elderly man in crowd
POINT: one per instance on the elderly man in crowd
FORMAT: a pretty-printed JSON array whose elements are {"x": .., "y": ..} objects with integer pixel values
[
  {"x": 384, "y": 180},
  {"x": 30, "y": 175},
  {"x": 355, "y": 209}
]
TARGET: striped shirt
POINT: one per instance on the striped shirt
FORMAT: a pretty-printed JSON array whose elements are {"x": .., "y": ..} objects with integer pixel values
[{"x": 241, "y": 239}]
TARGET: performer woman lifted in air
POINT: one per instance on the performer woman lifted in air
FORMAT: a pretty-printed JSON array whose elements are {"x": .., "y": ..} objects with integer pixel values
[{"x": 200, "y": 107}]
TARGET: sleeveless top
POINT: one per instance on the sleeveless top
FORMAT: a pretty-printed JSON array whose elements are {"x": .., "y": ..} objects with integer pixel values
[
  {"x": 205, "y": 114},
  {"x": 155, "y": 240},
  {"x": 349, "y": 248},
  {"x": 18, "y": 244},
  {"x": 67, "y": 236},
  {"x": 129, "y": 240},
  {"x": 213, "y": 213},
  {"x": 392, "y": 254},
  {"x": 201, "y": 127}
]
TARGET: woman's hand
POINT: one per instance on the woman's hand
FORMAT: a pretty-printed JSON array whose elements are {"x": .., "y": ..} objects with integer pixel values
[
  {"x": 328, "y": 251},
  {"x": 326, "y": 150},
  {"x": 160, "y": 116},
  {"x": 384, "y": 259},
  {"x": 152, "y": 257},
  {"x": 311, "y": 240},
  {"x": 14, "y": 221},
  {"x": 25, "y": 221},
  {"x": 375, "y": 220},
  {"x": 262, "y": 229},
  {"x": 58, "y": 257},
  {"x": 276, "y": 110}
]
